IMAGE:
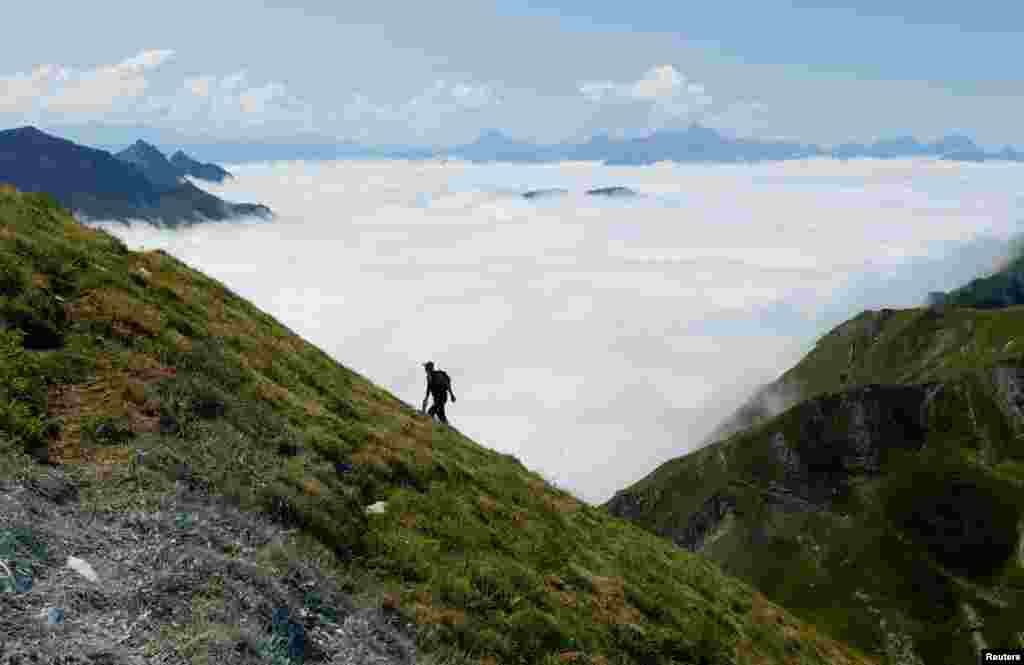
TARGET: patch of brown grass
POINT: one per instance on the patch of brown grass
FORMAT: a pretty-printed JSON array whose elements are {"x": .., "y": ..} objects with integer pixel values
[
  {"x": 520, "y": 519},
  {"x": 610, "y": 606},
  {"x": 487, "y": 504},
  {"x": 128, "y": 316},
  {"x": 180, "y": 342},
  {"x": 561, "y": 503},
  {"x": 446, "y": 616},
  {"x": 764, "y": 612},
  {"x": 313, "y": 487},
  {"x": 375, "y": 455},
  {"x": 108, "y": 455},
  {"x": 115, "y": 392}
]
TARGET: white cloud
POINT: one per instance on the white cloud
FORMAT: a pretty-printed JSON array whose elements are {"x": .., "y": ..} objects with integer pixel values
[
  {"x": 231, "y": 104},
  {"x": 101, "y": 90},
  {"x": 146, "y": 60},
  {"x": 21, "y": 93},
  {"x": 200, "y": 86},
  {"x": 594, "y": 339},
  {"x": 123, "y": 93},
  {"x": 660, "y": 98},
  {"x": 662, "y": 84},
  {"x": 423, "y": 116},
  {"x": 257, "y": 100}
]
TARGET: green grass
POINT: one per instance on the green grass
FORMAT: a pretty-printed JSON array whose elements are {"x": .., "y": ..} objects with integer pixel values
[
  {"x": 109, "y": 353},
  {"x": 938, "y": 526}
]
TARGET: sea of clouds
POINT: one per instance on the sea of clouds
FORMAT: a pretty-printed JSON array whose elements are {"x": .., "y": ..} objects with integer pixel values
[{"x": 594, "y": 338}]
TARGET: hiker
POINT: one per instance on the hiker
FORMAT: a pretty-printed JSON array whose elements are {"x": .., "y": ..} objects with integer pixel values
[{"x": 440, "y": 386}]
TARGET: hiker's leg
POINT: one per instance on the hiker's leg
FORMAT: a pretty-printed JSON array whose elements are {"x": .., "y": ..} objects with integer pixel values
[
  {"x": 432, "y": 410},
  {"x": 440, "y": 413}
]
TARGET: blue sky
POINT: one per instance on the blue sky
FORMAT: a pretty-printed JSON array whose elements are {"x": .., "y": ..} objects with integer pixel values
[{"x": 440, "y": 72}]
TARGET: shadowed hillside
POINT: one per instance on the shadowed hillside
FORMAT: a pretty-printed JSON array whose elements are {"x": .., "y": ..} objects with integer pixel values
[
  {"x": 138, "y": 184},
  {"x": 883, "y": 497},
  {"x": 242, "y": 497}
]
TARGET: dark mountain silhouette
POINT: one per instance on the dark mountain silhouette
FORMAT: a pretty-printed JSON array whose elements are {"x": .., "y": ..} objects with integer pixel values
[
  {"x": 188, "y": 166},
  {"x": 546, "y": 193},
  {"x": 494, "y": 146},
  {"x": 612, "y": 192},
  {"x": 697, "y": 143},
  {"x": 97, "y": 185},
  {"x": 694, "y": 144},
  {"x": 152, "y": 163}
]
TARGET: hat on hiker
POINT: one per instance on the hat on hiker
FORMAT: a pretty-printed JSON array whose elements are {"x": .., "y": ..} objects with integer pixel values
[{"x": 429, "y": 364}]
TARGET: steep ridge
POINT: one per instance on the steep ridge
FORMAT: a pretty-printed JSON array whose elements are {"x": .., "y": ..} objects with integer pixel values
[
  {"x": 188, "y": 166},
  {"x": 245, "y": 498},
  {"x": 153, "y": 164},
  {"x": 98, "y": 185},
  {"x": 879, "y": 492}
]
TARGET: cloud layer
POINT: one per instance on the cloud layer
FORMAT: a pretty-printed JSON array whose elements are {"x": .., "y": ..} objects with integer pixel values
[
  {"x": 594, "y": 339},
  {"x": 150, "y": 89}
]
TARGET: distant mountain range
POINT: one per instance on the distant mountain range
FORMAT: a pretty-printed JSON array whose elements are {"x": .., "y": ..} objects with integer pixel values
[
  {"x": 703, "y": 144},
  {"x": 692, "y": 144},
  {"x": 137, "y": 183}
]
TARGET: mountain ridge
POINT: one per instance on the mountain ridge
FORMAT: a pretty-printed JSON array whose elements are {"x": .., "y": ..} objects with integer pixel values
[
  {"x": 244, "y": 497},
  {"x": 696, "y": 143},
  {"x": 101, "y": 186},
  {"x": 848, "y": 489}
]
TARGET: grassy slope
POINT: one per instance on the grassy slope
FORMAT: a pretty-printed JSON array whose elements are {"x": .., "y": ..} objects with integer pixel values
[
  {"x": 862, "y": 561},
  {"x": 107, "y": 352}
]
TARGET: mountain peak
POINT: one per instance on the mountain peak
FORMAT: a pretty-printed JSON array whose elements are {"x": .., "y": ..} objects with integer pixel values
[
  {"x": 185, "y": 165},
  {"x": 148, "y": 159}
]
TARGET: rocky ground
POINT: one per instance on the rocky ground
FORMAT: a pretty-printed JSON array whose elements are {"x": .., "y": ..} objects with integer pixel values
[{"x": 194, "y": 581}]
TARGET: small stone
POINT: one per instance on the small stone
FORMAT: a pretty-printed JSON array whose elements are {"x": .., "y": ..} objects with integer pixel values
[
  {"x": 378, "y": 508},
  {"x": 54, "y": 616},
  {"x": 83, "y": 568}
]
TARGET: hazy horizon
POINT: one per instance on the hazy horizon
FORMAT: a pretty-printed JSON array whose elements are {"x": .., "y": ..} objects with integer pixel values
[
  {"x": 399, "y": 73},
  {"x": 594, "y": 338}
]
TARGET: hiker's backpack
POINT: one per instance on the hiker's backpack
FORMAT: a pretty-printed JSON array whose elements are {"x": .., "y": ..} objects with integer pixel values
[{"x": 440, "y": 382}]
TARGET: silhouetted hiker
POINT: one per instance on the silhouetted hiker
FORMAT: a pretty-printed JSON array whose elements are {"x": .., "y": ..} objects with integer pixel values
[{"x": 440, "y": 386}]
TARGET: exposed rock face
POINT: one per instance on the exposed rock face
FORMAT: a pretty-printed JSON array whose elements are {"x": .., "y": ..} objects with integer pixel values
[
  {"x": 832, "y": 438},
  {"x": 626, "y": 504},
  {"x": 1009, "y": 383},
  {"x": 903, "y": 489},
  {"x": 705, "y": 521}
]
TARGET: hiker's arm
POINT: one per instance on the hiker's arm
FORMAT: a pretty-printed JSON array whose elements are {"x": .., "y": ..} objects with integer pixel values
[
  {"x": 452, "y": 393},
  {"x": 425, "y": 397}
]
